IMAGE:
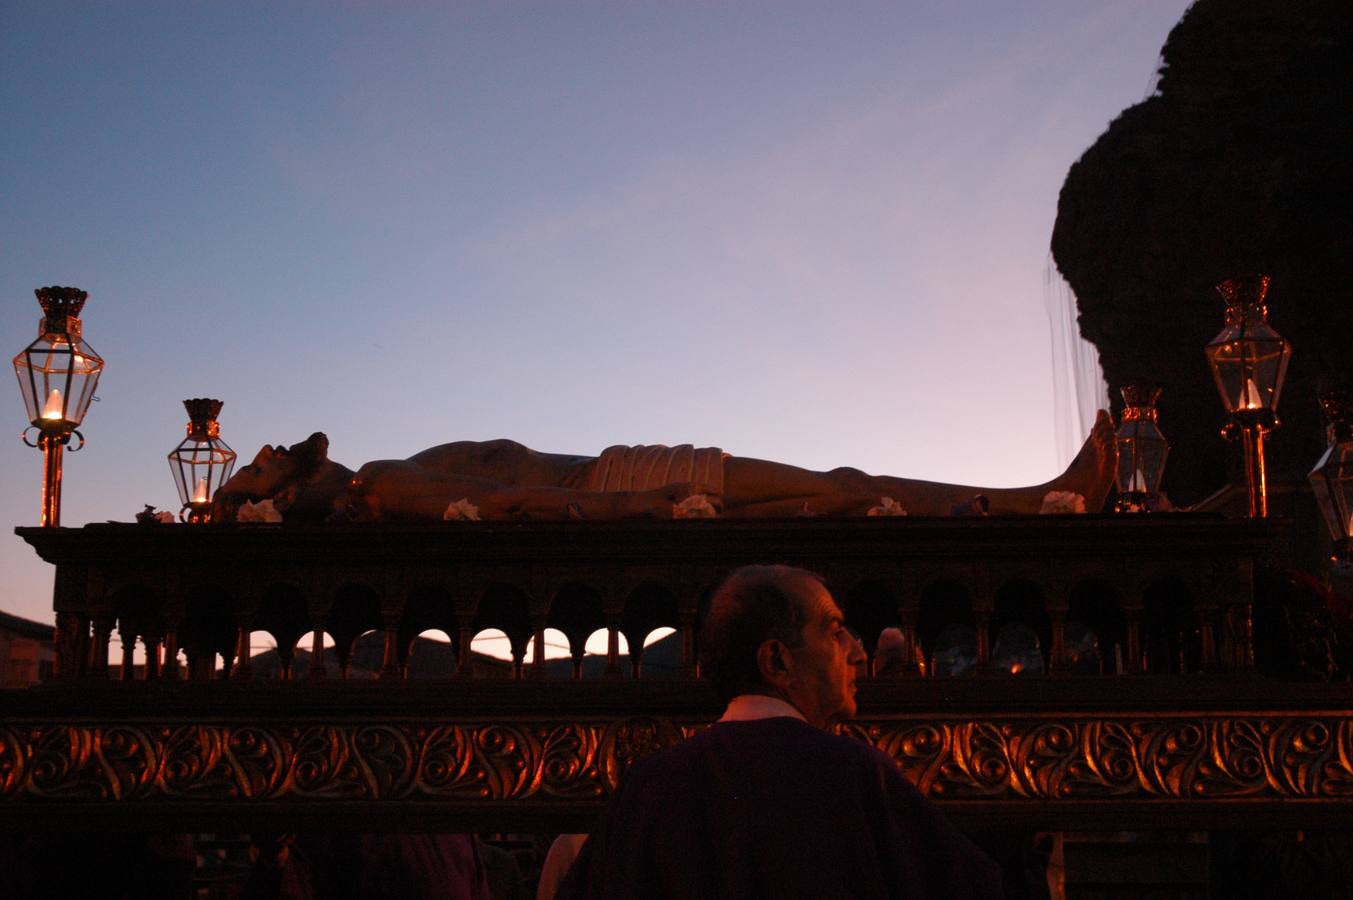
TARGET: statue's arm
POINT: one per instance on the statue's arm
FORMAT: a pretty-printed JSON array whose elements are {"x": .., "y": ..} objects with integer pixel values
[{"x": 400, "y": 490}]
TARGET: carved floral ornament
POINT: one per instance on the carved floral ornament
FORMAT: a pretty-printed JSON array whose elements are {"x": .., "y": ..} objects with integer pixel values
[{"x": 1265, "y": 757}]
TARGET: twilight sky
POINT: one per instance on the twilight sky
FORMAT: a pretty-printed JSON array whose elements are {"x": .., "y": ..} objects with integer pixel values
[{"x": 810, "y": 232}]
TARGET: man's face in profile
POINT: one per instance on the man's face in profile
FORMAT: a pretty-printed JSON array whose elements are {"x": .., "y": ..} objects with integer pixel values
[{"x": 825, "y": 665}]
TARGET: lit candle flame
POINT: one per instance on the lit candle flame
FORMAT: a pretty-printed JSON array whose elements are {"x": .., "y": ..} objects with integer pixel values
[
  {"x": 1138, "y": 482},
  {"x": 52, "y": 410},
  {"x": 200, "y": 492},
  {"x": 1016, "y": 668},
  {"x": 1251, "y": 399}
]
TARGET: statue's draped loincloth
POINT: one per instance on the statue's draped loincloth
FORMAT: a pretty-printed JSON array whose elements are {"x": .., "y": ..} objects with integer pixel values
[{"x": 646, "y": 467}]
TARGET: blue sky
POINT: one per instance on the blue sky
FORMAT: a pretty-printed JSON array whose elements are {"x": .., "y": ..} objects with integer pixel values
[{"x": 813, "y": 232}]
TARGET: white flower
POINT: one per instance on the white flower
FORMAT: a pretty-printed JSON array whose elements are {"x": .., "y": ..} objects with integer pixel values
[
  {"x": 262, "y": 511},
  {"x": 696, "y": 506},
  {"x": 1055, "y": 502},
  {"x": 461, "y": 511},
  {"x": 887, "y": 507},
  {"x": 166, "y": 517}
]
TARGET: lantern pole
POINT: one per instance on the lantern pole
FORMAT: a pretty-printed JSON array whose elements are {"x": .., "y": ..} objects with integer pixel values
[
  {"x": 52, "y": 441},
  {"x": 52, "y": 445},
  {"x": 1251, "y": 435}
]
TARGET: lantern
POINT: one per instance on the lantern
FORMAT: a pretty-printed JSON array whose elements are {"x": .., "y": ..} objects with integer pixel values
[
  {"x": 1142, "y": 450},
  {"x": 1332, "y": 477},
  {"x": 58, "y": 374},
  {"x": 1249, "y": 362},
  {"x": 202, "y": 462}
]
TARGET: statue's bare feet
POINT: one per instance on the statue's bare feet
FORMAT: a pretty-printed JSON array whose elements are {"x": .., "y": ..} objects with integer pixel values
[{"x": 1091, "y": 474}]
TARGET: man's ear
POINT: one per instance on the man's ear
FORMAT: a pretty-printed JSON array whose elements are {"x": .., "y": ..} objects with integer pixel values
[{"x": 772, "y": 661}]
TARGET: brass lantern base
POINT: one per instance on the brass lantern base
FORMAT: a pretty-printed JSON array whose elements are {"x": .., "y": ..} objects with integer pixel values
[{"x": 196, "y": 513}]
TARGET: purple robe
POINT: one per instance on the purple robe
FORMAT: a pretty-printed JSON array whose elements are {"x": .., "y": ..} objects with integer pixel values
[{"x": 775, "y": 808}]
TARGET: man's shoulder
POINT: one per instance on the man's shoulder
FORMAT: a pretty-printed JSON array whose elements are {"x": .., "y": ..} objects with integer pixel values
[{"x": 780, "y": 736}]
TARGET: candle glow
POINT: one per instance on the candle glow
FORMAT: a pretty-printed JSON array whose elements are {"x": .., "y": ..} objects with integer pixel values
[
  {"x": 200, "y": 492},
  {"x": 1251, "y": 399},
  {"x": 52, "y": 409}
]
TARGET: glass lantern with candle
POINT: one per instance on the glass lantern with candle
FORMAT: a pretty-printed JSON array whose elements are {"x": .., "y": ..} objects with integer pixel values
[
  {"x": 1142, "y": 450},
  {"x": 59, "y": 371},
  {"x": 202, "y": 462},
  {"x": 58, "y": 374},
  {"x": 1248, "y": 358},
  {"x": 1332, "y": 478},
  {"x": 1249, "y": 362}
]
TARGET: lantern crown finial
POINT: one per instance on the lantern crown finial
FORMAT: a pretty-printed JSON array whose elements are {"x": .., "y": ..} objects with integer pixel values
[
  {"x": 61, "y": 309},
  {"x": 202, "y": 415},
  {"x": 1337, "y": 405},
  {"x": 203, "y": 409},
  {"x": 60, "y": 302},
  {"x": 1244, "y": 291},
  {"x": 1139, "y": 401}
]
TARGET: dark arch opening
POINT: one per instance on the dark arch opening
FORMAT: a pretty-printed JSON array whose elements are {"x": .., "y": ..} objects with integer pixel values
[
  {"x": 356, "y": 625},
  {"x": 946, "y": 628},
  {"x": 505, "y": 607},
  {"x": 1171, "y": 637},
  {"x": 284, "y": 616},
  {"x": 1096, "y": 629},
  {"x": 1021, "y": 629},
  {"x": 648, "y": 607},
  {"x": 577, "y": 611},
  {"x": 870, "y": 608}
]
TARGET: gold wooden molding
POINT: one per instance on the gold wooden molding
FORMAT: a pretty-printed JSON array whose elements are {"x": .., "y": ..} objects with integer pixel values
[{"x": 1112, "y": 760}]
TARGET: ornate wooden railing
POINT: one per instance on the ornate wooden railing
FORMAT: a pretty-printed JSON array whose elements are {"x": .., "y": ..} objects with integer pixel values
[{"x": 1189, "y": 731}]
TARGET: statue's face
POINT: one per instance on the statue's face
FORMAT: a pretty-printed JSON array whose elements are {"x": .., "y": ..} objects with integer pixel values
[{"x": 270, "y": 473}]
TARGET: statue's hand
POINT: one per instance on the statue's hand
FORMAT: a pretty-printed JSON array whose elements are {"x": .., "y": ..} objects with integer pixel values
[{"x": 669, "y": 495}]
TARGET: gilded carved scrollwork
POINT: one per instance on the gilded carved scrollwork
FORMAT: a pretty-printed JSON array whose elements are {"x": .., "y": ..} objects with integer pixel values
[
  {"x": 1203, "y": 758},
  {"x": 13, "y": 771}
]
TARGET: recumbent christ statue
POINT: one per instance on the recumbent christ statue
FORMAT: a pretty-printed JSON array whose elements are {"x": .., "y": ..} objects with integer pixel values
[{"x": 507, "y": 480}]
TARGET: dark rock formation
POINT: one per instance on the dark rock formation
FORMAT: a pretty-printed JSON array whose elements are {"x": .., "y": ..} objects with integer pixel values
[{"x": 1240, "y": 163}]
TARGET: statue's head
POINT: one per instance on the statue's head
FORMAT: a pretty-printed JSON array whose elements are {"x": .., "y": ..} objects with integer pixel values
[{"x": 277, "y": 473}]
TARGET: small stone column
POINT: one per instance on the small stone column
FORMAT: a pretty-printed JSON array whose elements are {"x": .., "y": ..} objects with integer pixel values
[
  {"x": 538, "y": 640},
  {"x": 464, "y": 637},
  {"x": 152, "y": 642},
  {"x": 318, "y": 668},
  {"x": 170, "y": 671},
  {"x": 1134, "y": 641},
  {"x": 1057, "y": 652},
  {"x": 98, "y": 647},
  {"x": 128, "y": 651},
  {"x": 1237, "y": 638},
  {"x": 390, "y": 660},
  {"x": 1207, "y": 628},
  {"x": 70, "y": 644},
  {"x": 612, "y": 645},
  {"x": 243, "y": 668},
  {"x": 690, "y": 667},
  {"x": 911, "y": 643},
  {"x": 983, "y": 620}
]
